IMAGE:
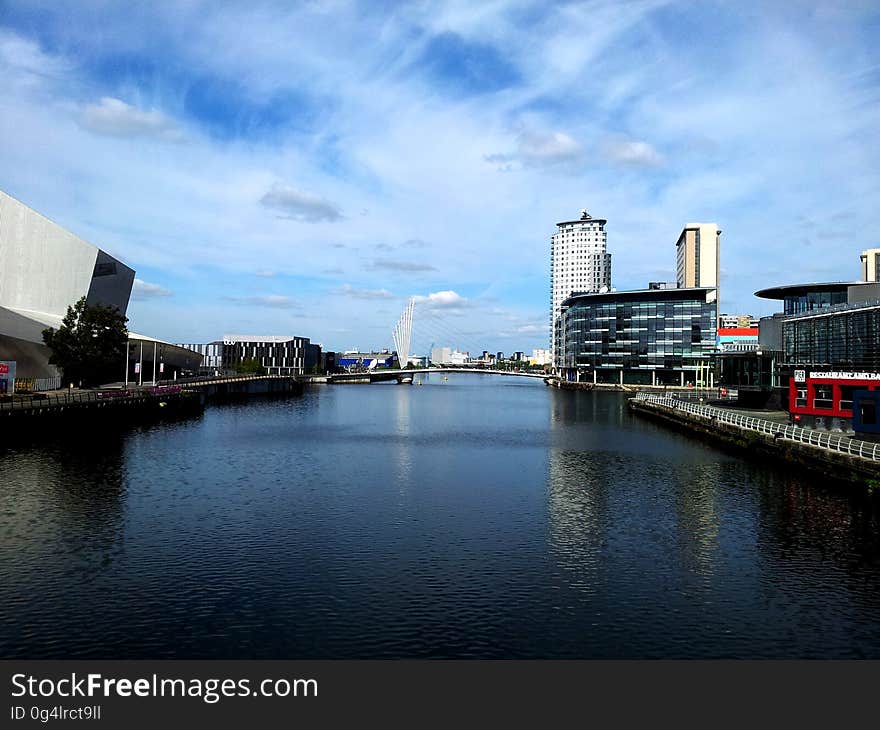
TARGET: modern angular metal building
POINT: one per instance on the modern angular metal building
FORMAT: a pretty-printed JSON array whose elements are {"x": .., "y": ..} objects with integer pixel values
[{"x": 44, "y": 269}]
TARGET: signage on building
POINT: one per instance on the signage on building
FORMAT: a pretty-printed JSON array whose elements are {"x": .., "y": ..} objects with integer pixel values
[
  {"x": 842, "y": 376},
  {"x": 800, "y": 376},
  {"x": 7, "y": 376}
]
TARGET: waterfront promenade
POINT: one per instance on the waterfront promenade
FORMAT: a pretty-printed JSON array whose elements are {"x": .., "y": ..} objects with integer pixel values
[
  {"x": 45, "y": 412},
  {"x": 838, "y": 456}
]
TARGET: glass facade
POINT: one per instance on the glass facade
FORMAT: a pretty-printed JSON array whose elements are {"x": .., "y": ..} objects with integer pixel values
[
  {"x": 849, "y": 339},
  {"x": 667, "y": 329},
  {"x": 811, "y": 300},
  {"x": 279, "y": 356}
]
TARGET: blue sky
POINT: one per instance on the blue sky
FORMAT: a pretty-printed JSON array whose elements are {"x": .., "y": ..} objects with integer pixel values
[{"x": 304, "y": 168}]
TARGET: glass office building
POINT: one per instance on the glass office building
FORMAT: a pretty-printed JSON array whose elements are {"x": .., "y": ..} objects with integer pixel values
[
  {"x": 648, "y": 337},
  {"x": 847, "y": 338},
  {"x": 801, "y": 298}
]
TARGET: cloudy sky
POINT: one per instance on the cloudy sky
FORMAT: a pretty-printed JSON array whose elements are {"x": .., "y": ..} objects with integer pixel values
[{"x": 303, "y": 168}]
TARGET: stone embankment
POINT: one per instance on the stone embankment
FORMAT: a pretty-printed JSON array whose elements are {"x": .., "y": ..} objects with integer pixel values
[
  {"x": 835, "y": 457},
  {"x": 85, "y": 411}
]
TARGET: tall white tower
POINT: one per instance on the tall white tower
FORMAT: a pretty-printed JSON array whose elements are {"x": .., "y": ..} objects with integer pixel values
[{"x": 579, "y": 263}]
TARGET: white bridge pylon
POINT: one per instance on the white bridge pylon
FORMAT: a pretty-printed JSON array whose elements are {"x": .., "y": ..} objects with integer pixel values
[{"x": 403, "y": 333}]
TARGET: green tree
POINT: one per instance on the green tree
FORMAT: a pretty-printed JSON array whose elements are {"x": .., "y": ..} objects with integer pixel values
[
  {"x": 90, "y": 345},
  {"x": 250, "y": 366}
]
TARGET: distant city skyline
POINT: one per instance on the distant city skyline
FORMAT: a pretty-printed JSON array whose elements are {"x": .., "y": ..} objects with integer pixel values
[{"x": 268, "y": 168}]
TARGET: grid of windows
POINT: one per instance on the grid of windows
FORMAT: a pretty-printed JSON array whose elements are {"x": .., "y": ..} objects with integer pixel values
[
  {"x": 579, "y": 261},
  {"x": 279, "y": 356},
  {"x": 849, "y": 340},
  {"x": 800, "y": 303},
  {"x": 638, "y": 330}
]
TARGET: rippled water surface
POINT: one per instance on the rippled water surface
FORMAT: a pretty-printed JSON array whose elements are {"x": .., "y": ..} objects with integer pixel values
[{"x": 480, "y": 517}]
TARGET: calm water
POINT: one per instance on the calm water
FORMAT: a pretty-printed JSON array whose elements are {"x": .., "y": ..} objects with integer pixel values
[{"x": 479, "y": 517}]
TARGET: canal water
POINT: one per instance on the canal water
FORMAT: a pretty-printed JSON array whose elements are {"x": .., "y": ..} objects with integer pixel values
[{"x": 482, "y": 516}]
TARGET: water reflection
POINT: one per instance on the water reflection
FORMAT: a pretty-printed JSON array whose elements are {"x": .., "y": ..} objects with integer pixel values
[
  {"x": 466, "y": 518},
  {"x": 402, "y": 448},
  {"x": 61, "y": 528},
  {"x": 694, "y": 502},
  {"x": 577, "y": 501}
]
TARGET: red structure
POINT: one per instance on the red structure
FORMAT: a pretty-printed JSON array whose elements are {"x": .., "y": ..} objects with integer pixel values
[
  {"x": 828, "y": 395},
  {"x": 738, "y": 332}
]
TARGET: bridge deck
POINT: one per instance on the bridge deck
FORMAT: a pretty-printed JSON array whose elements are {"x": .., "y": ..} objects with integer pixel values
[{"x": 379, "y": 375}]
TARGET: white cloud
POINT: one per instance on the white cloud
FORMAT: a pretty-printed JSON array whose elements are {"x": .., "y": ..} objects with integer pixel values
[
  {"x": 543, "y": 148},
  {"x": 528, "y": 329},
  {"x": 631, "y": 152},
  {"x": 25, "y": 65},
  {"x": 370, "y": 131},
  {"x": 300, "y": 206},
  {"x": 276, "y": 301},
  {"x": 540, "y": 149},
  {"x": 403, "y": 266},
  {"x": 142, "y": 290},
  {"x": 347, "y": 290},
  {"x": 115, "y": 118},
  {"x": 447, "y": 299}
]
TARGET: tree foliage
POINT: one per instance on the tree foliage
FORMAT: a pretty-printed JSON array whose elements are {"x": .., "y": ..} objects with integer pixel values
[
  {"x": 90, "y": 345},
  {"x": 250, "y": 366}
]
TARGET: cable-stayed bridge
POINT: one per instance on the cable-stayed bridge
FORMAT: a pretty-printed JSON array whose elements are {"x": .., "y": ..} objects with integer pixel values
[
  {"x": 434, "y": 328},
  {"x": 415, "y": 336}
]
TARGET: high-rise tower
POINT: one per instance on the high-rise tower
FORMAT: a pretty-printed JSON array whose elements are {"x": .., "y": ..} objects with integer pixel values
[
  {"x": 579, "y": 263},
  {"x": 871, "y": 265},
  {"x": 697, "y": 258}
]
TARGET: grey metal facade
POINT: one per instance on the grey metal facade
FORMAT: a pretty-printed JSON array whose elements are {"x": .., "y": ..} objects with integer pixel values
[{"x": 43, "y": 270}]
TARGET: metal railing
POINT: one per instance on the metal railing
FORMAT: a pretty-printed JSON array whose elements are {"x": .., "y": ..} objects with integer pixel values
[
  {"x": 833, "y": 442},
  {"x": 53, "y": 400},
  {"x": 47, "y": 400},
  {"x": 36, "y": 385},
  {"x": 220, "y": 379}
]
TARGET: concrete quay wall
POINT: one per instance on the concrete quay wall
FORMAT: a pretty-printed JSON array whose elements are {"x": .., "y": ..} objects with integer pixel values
[
  {"x": 61, "y": 414},
  {"x": 831, "y": 465},
  {"x": 226, "y": 388}
]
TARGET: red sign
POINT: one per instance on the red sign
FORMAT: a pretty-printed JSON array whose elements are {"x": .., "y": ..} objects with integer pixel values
[{"x": 4, "y": 368}]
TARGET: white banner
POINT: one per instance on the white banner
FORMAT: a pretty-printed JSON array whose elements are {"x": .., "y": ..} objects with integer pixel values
[{"x": 843, "y": 376}]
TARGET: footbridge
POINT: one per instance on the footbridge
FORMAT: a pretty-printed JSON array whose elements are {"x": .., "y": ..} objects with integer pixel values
[{"x": 377, "y": 376}]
